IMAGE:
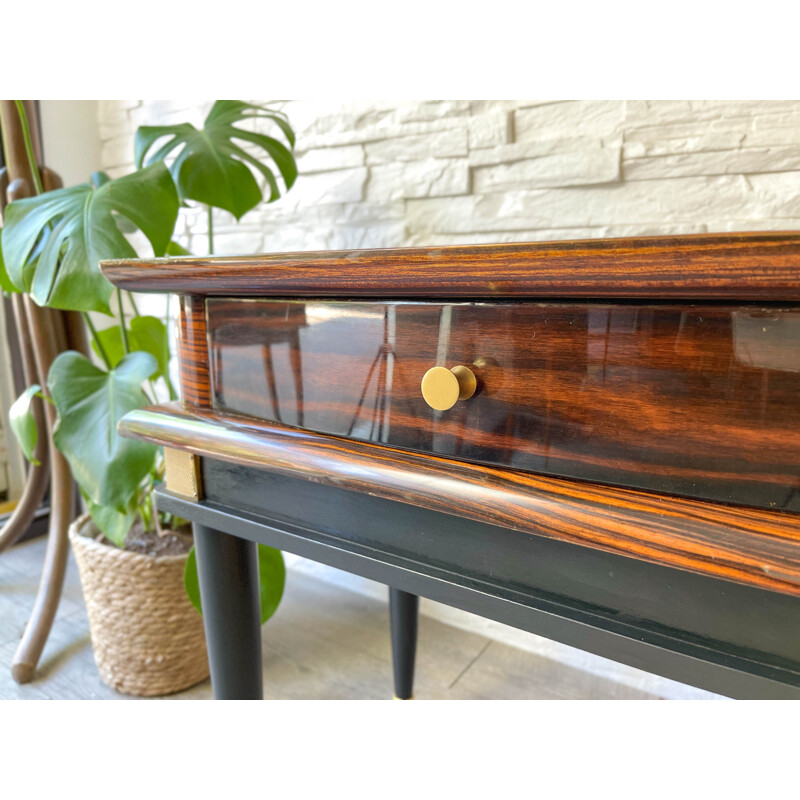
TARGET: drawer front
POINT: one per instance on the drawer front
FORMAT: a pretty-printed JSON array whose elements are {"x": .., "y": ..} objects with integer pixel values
[{"x": 693, "y": 400}]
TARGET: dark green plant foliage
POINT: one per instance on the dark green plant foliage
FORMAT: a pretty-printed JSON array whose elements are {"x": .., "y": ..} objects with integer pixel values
[
  {"x": 174, "y": 249},
  {"x": 23, "y": 423},
  {"x": 148, "y": 334},
  {"x": 209, "y": 165},
  {"x": 114, "y": 524},
  {"x": 271, "y": 580},
  {"x": 53, "y": 243},
  {"x": 90, "y": 403},
  {"x": 99, "y": 178},
  {"x": 5, "y": 281}
]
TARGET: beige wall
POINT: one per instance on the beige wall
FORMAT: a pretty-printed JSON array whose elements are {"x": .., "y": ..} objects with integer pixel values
[
  {"x": 71, "y": 138},
  {"x": 380, "y": 174}
]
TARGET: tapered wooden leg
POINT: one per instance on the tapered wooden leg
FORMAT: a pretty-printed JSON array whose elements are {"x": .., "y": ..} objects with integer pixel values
[
  {"x": 404, "y": 611},
  {"x": 227, "y": 568}
]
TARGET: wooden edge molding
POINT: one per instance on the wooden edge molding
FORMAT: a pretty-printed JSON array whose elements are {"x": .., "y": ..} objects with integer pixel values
[
  {"x": 743, "y": 266},
  {"x": 746, "y": 545}
]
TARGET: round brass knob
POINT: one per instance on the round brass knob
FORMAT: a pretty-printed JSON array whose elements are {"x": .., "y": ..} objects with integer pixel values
[{"x": 442, "y": 388}]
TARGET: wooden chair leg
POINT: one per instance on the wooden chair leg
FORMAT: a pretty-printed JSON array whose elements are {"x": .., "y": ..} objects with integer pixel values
[
  {"x": 55, "y": 564},
  {"x": 44, "y": 610},
  {"x": 38, "y": 474}
]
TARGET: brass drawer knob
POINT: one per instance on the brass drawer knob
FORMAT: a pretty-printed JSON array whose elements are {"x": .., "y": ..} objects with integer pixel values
[{"x": 442, "y": 387}]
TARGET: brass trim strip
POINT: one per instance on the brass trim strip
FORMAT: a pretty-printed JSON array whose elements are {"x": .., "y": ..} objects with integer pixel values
[{"x": 182, "y": 472}]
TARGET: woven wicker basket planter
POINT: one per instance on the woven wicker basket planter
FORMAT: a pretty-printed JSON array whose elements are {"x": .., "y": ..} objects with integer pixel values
[{"x": 147, "y": 638}]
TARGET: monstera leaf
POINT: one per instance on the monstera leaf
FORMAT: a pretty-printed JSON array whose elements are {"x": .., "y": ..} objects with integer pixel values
[
  {"x": 5, "y": 282},
  {"x": 22, "y": 421},
  {"x": 90, "y": 402},
  {"x": 210, "y": 167},
  {"x": 271, "y": 580},
  {"x": 175, "y": 249},
  {"x": 53, "y": 243},
  {"x": 145, "y": 333},
  {"x": 114, "y": 524}
]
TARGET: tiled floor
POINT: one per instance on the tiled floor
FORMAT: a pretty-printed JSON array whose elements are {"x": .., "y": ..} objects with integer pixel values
[{"x": 325, "y": 642}]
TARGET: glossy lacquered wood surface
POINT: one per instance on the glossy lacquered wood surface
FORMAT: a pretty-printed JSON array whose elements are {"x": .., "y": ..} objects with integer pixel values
[
  {"x": 751, "y": 546},
  {"x": 744, "y": 266},
  {"x": 193, "y": 351},
  {"x": 695, "y": 400}
]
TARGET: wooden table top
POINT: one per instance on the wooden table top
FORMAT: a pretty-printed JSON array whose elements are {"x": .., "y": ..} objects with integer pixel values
[{"x": 745, "y": 266}]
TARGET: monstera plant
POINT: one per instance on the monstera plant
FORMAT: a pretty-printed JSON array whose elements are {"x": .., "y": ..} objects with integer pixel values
[
  {"x": 51, "y": 246},
  {"x": 209, "y": 167}
]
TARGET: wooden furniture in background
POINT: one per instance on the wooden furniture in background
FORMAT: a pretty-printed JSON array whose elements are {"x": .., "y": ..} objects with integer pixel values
[
  {"x": 624, "y": 479},
  {"x": 43, "y": 333}
]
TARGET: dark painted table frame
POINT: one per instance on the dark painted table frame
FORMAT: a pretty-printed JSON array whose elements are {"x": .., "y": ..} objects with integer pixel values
[
  {"x": 227, "y": 568},
  {"x": 225, "y": 538}
]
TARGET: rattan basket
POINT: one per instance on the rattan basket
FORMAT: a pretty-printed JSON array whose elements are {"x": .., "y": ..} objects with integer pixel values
[{"x": 147, "y": 638}]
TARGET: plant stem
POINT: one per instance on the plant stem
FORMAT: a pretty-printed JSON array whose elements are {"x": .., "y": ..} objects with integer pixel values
[
  {"x": 126, "y": 348},
  {"x": 145, "y": 507},
  {"x": 173, "y": 395},
  {"x": 26, "y": 137},
  {"x": 133, "y": 305},
  {"x": 151, "y": 398},
  {"x": 96, "y": 339},
  {"x": 211, "y": 230}
]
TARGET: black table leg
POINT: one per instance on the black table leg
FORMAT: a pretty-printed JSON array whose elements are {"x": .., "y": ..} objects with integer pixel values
[
  {"x": 403, "y": 610},
  {"x": 227, "y": 568}
]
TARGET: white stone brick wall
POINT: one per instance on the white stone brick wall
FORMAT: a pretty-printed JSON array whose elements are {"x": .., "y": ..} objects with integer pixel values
[{"x": 392, "y": 173}]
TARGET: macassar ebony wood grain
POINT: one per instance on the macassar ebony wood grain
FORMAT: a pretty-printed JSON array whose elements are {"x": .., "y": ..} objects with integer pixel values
[
  {"x": 742, "y": 266},
  {"x": 193, "y": 351},
  {"x": 260, "y": 342},
  {"x": 693, "y": 400},
  {"x": 749, "y": 546}
]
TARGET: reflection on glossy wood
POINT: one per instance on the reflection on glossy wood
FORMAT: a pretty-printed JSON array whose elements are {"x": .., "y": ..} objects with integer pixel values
[
  {"x": 752, "y": 546},
  {"x": 282, "y": 331},
  {"x": 742, "y": 266},
  {"x": 684, "y": 399}
]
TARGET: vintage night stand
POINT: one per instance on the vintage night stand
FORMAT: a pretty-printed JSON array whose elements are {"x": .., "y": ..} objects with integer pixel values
[{"x": 596, "y": 441}]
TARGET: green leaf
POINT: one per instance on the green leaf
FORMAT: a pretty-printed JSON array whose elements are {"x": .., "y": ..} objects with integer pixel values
[
  {"x": 150, "y": 334},
  {"x": 90, "y": 403},
  {"x": 191, "y": 582},
  {"x": 23, "y": 423},
  {"x": 209, "y": 167},
  {"x": 6, "y": 283},
  {"x": 175, "y": 249},
  {"x": 111, "y": 339},
  {"x": 114, "y": 524},
  {"x": 147, "y": 334},
  {"x": 53, "y": 243},
  {"x": 99, "y": 178},
  {"x": 271, "y": 580}
]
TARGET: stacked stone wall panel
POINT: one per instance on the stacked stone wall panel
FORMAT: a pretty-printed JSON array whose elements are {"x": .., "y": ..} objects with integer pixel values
[{"x": 396, "y": 172}]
